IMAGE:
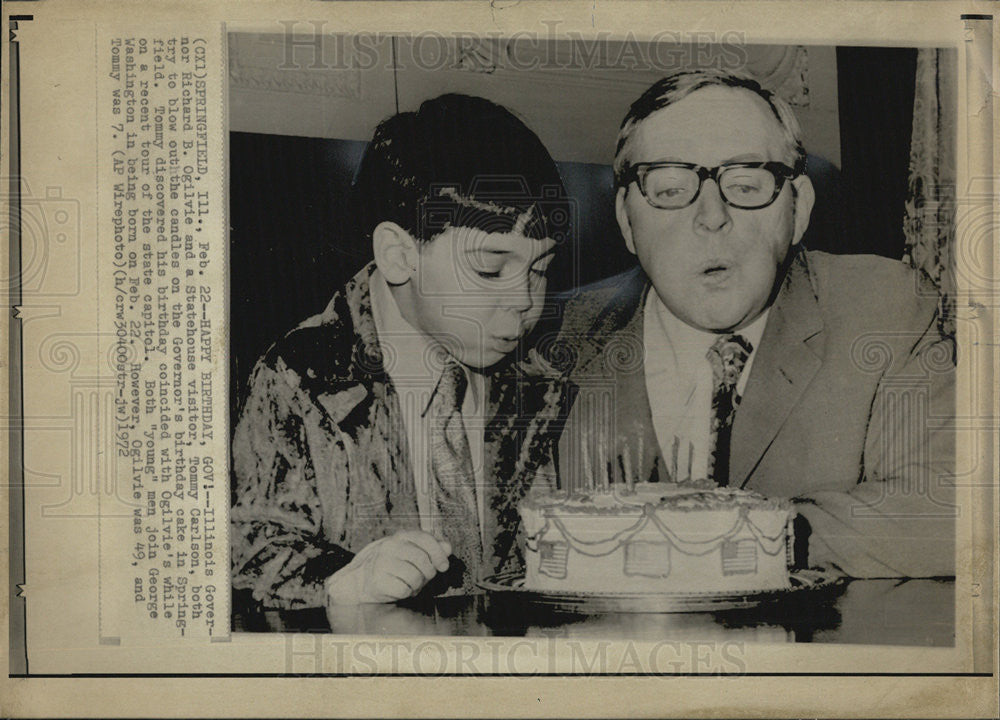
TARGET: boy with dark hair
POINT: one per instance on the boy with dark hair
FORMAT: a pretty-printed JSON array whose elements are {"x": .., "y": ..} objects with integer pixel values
[{"x": 386, "y": 442}]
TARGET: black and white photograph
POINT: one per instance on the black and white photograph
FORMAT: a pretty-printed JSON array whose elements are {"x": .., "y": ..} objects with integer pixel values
[
  {"x": 600, "y": 339},
  {"x": 483, "y": 359}
]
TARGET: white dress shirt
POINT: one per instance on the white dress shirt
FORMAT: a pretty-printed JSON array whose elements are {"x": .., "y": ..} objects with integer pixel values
[
  {"x": 679, "y": 384},
  {"x": 414, "y": 364}
]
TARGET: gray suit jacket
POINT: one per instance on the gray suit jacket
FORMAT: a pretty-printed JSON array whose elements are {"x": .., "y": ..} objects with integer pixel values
[{"x": 849, "y": 407}]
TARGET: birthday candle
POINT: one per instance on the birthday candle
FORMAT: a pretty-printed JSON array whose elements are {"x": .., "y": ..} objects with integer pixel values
[
  {"x": 602, "y": 459},
  {"x": 588, "y": 471},
  {"x": 605, "y": 464},
  {"x": 627, "y": 462},
  {"x": 673, "y": 459},
  {"x": 641, "y": 456}
]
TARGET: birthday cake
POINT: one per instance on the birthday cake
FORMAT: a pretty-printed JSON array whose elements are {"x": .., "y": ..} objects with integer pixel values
[{"x": 657, "y": 537}]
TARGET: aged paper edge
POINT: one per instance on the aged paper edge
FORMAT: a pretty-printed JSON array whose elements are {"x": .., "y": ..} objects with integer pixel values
[{"x": 854, "y": 23}]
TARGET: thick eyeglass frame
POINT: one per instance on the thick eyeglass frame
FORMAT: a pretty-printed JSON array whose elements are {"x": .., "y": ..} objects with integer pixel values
[{"x": 637, "y": 173}]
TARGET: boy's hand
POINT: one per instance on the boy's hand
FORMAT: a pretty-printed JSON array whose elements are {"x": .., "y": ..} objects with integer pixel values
[{"x": 389, "y": 569}]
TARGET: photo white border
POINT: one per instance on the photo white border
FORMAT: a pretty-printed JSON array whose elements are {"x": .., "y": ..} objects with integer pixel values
[{"x": 920, "y": 24}]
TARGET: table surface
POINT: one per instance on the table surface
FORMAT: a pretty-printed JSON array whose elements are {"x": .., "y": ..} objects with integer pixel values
[{"x": 874, "y": 612}]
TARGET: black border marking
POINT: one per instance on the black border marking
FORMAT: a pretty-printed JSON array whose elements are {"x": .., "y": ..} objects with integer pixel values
[{"x": 18, "y": 620}]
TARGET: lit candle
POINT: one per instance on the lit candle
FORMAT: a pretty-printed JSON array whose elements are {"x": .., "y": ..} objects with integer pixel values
[
  {"x": 640, "y": 456},
  {"x": 602, "y": 459},
  {"x": 588, "y": 471},
  {"x": 674, "y": 450},
  {"x": 627, "y": 462}
]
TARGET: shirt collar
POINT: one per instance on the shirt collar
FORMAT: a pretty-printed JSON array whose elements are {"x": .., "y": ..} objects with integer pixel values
[
  {"x": 413, "y": 360},
  {"x": 755, "y": 330},
  {"x": 689, "y": 344}
]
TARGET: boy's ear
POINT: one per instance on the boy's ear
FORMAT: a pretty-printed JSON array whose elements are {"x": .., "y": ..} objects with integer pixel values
[{"x": 395, "y": 253}]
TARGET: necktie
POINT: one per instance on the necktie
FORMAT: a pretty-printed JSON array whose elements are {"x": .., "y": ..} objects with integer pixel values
[
  {"x": 727, "y": 356},
  {"x": 453, "y": 483}
]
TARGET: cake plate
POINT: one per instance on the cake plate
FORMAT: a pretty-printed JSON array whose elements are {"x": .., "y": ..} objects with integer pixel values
[{"x": 812, "y": 583}]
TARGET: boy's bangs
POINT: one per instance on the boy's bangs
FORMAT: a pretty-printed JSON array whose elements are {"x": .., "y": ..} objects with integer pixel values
[{"x": 497, "y": 213}]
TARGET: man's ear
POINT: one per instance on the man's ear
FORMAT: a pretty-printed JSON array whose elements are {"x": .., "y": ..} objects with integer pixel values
[
  {"x": 621, "y": 213},
  {"x": 805, "y": 197},
  {"x": 396, "y": 253}
]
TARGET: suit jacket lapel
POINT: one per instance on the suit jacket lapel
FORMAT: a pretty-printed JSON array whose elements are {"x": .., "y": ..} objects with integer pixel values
[
  {"x": 635, "y": 435},
  {"x": 613, "y": 349},
  {"x": 620, "y": 315},
  {"x": 785, "y": 363},
  {"x": 349, "y": 382}
]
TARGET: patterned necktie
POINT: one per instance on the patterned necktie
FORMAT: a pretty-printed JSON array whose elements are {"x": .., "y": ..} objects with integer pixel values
[
  {"x": 727, "y": 356},
  {"x": 453, "y": 482}
]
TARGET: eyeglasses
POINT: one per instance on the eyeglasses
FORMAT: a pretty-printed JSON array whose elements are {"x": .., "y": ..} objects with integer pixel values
[{"x": 675, "y": 185}]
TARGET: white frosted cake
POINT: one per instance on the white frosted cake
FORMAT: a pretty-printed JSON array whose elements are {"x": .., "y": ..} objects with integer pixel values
[{"x": 657, "y": 537}]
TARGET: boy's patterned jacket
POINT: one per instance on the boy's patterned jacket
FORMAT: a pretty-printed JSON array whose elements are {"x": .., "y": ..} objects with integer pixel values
[{"x": 321, "y": 465}]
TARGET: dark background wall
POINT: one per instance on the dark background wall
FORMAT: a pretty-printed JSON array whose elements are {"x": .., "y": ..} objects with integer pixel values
[{"x": 875, "y": 89}]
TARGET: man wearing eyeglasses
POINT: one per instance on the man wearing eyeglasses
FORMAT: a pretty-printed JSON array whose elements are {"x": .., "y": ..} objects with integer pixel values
[{"x": 733, "y": 354}]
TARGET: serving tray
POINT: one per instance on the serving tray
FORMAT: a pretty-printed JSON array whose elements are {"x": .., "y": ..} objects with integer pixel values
[{"x": 803, "y": 583}]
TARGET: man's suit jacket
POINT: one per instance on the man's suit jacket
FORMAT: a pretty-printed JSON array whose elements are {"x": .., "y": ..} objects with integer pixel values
[
  {"x": 321, "y": 465},
  {"x": 848, "y": 408}
]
